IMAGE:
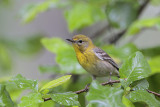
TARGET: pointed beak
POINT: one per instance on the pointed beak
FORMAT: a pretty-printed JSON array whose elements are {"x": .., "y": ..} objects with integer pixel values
[{"x": 70, "y": 40}]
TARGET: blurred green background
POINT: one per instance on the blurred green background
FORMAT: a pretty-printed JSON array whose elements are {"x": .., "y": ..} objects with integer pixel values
[{"x": 29, "y": 28}]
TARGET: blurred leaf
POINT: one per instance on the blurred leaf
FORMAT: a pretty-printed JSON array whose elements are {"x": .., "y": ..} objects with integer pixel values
[
  {"x": 140, "y": 85},
  {"x": 31, "y": 11},
  {"x": 100, "y": 96},
  {"x": 154, "y": 64},
  {"x": 155, "y": 2},
  {"x": 134, "y": 68},
  {"x": 5, "y": 59},
  {"x": 121, "y": 13},
  {"x": 53, "y": 69},
  {"x": 48, "y": 103},
  {"x": 31, "y": 100},
  {"x": 82, "y": 15},
  {"x": 56, "y": 82},
  {"x": 67, "y": 99},
  {"x": 24, "y": 83},
  {"x": 127, "y": 102},
  {"x": 154, "y": 82},
  {"x": 121, "y": 52},
  {"x": 151, "y": 52},
  {"x": 30, "y": 45},
  {"x": 137, "y": 26},
  {"x": 5, "y": 100},
  {"x": 144, "y": 96},
  {"x": 65, "y": 55}
]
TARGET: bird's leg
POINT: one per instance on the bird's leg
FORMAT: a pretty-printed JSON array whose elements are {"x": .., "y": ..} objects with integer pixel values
[
  {"x": 87, "y": 87},
  {"x": 110, "y": 73},
  {"x": 94, "y": 77}
]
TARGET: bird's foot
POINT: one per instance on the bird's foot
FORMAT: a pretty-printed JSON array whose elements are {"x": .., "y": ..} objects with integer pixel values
[{"x": 87, "y": 87}]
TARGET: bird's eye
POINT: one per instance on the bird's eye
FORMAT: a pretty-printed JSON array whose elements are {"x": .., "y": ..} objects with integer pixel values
[{"x": 80, "y": 41}]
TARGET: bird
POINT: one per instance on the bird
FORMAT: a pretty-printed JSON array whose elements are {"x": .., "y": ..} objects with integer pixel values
[{"x": 93, "y": 59}]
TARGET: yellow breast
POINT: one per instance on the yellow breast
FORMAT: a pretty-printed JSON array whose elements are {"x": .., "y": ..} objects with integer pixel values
[{"x": 86, "y": 59}]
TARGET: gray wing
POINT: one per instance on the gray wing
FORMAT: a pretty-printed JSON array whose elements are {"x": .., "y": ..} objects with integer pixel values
[{"x": 104, "y": 56}]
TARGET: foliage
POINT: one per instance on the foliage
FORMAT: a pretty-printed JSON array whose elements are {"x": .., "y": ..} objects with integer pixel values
[
  {"x": 133, "y": 71},
  {"x": 139, "y": 70}
]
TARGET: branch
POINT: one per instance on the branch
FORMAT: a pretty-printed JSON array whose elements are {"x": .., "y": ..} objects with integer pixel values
[
  {"x": 156, "y": 94},
  {"x": 86, "y": 89},
  {"x": 114, "y": 39},
  {"x": 110, "y": 83}
]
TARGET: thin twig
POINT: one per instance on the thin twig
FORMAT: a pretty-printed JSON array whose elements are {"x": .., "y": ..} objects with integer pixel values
[
  {"x": 110, "y": 82},
  {"x": 83, "y": 90},
  {"x": 115, "y": 38},
  {"x": 156, "y": 94},
  {"x": 46, "y": 99},
  {"x": 86, "y": 89}
]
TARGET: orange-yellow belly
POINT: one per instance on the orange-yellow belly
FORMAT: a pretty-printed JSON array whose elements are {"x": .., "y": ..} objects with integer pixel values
[{"x": 93, "y": 65}]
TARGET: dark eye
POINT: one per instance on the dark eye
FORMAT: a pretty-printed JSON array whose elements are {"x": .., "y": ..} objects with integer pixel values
[{"x": 80, "y": 41}]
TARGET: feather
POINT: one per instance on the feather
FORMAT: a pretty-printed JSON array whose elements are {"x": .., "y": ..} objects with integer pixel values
[{"x": 102, "y": 55}]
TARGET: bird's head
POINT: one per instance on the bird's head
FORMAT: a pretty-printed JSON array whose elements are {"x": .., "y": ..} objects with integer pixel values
[{"x": 81, "y": 43}]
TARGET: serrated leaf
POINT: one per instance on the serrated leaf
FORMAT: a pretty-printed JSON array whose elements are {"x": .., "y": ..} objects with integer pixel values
[
  {"x": 121, "y": 13},
  {"x": 56, "y": 82},
  {"x": 67, "y": 99},
  {"x": 82, "y": 15},
  {"x": 65, "y": 55},
  {"x": 24, "y": 83},
  {"x": 143, "y": 23},
  {"x": 5, "y": 99},
  {"x": 31, "y": 100},
  {"x": 127, "y": 102},
  {"x": 134, "y": 68},
  {"x": 144, "y": 96},
  {"x": 100, "y": 96},
  {"x": 140, "y": 85}
]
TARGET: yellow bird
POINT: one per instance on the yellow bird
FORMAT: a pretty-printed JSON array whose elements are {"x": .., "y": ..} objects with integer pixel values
[{"x": 93, "y": 59}]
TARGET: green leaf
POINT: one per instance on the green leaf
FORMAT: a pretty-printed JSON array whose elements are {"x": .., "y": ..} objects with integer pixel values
[
  {"x": 56, "y": 82},
  {"x": 134, "y": 68},
  {"x": 29, "y": 45},
  {"x": 121, "y": 14},
  {"x": 144, "y": 96},
  {"x": 121, "y": 52},
  {"x": 127, "y": 102},
  {"x": 100, "y": 96},
  {"x": 154, "y": 64},
  {"x": 140, "y": 85},
  {"x": 5, "y": 99},
  {"x": 53, "y": 69},
  {"x": 5, "y": 59},
  {"x": 143, "y": 23},
  {"x": 24, "y": 83},
  {"x": 155, "y": 2},
  {"x": 82, "y": 15},
  {"x": 67, "y": 99},
  {"x": 48, "y": 103},
  {"x": 31, "y": 11},
  {"x": 26, "y": 46},
  {"x": 151, "y": 52},
  {"x": 31, "y": 100},
  {"x": 65, "y": 55}
]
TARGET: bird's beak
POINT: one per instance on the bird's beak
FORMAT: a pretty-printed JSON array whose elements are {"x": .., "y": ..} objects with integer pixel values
[{"x": 70, "y": 40}]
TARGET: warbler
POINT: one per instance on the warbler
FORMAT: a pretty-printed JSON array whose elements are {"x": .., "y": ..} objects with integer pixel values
[{"x": 93, "y": 59}]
